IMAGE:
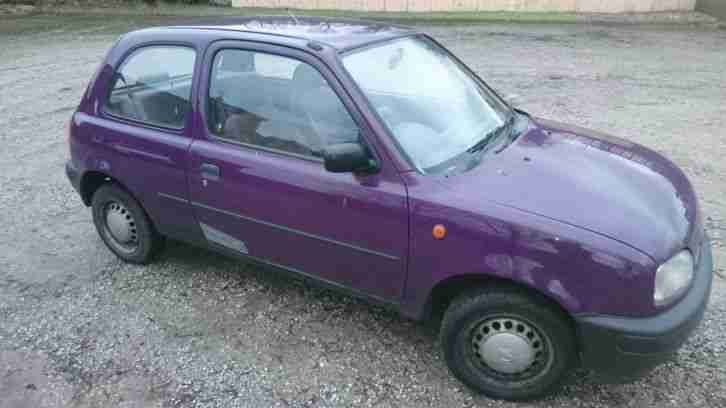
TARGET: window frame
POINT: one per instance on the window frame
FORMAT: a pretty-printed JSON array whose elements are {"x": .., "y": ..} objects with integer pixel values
[
  {"x": 124, "y": 59},
  {"x": 287, "y": 52}
]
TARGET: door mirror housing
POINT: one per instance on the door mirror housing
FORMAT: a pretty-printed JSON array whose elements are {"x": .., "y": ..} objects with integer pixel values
[{"x": 348, "y": 158}]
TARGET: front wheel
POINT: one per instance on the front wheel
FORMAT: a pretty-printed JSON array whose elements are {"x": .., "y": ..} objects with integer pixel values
[{"x": 506, "y": 344}]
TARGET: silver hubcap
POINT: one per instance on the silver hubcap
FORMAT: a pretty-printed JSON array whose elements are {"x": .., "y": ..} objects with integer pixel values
[
  {"x": 509, "y": 347},
  {"x": 121, "y": 226},
  {"x": 507, "y": 353}
]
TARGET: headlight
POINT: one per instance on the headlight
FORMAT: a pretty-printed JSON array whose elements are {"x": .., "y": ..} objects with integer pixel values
[{"x": 673, "y": 278}]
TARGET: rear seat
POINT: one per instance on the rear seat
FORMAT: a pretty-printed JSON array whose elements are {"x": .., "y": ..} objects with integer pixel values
[{"x": 159, "y": 104}]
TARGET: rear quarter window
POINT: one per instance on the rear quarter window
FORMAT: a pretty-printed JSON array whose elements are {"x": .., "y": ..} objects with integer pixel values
[{"x": 153, "y": 85}]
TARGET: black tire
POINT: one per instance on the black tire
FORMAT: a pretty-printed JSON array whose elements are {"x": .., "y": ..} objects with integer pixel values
[
  {"x": 145, "y": 242},
  {"x": 476, "y": 314}
]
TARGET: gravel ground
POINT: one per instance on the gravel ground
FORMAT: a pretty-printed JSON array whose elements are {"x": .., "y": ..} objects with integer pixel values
[{"x": 79, "y": 328}]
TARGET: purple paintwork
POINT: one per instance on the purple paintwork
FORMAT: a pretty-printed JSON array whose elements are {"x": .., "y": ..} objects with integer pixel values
[{"x": 578, "y": 216}]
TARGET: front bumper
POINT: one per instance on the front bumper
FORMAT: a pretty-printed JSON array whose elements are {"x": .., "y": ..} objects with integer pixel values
[{"x": 622, "y": 347}]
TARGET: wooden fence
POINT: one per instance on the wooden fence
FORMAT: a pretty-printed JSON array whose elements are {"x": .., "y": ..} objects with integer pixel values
[{"x": 585, "y": 6}]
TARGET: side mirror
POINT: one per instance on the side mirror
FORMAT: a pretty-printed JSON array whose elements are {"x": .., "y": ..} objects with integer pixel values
[{"x": 347, "y": 158}]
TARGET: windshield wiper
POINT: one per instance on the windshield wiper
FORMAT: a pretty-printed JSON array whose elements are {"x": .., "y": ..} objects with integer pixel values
[{"x": 480, "y": 145}]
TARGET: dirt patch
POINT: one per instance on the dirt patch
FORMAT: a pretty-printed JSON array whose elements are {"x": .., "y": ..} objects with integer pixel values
[{"x": 27, "y": 381}]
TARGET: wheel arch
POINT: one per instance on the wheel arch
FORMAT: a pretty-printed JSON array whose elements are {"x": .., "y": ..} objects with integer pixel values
[
  {"x": 446, "y": 290},
  {"x": 92, "y": 180}
]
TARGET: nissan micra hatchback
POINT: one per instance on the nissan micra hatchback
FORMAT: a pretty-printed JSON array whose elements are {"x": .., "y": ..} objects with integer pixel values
[{"x": 369, "y": 158}]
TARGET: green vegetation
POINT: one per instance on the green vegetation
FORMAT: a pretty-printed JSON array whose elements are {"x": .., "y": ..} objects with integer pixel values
[{"x": 454, "y": 17}]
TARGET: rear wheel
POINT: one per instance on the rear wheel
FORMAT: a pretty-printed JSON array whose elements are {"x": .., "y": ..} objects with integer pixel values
[
  {"x": 506, "y": 344},
  {"x": 123, "y": 225}
]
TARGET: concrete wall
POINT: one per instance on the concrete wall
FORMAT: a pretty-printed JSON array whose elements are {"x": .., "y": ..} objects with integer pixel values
[
  {"x": 583, "y": 6},
  {"x": 716, "y": 8}
]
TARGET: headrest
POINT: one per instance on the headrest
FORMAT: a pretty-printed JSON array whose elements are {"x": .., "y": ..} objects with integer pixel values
[
  {"x": 307, "y": 76},
  {"x": 237, "y": 61},
  {"x": 324, "y": 106}
]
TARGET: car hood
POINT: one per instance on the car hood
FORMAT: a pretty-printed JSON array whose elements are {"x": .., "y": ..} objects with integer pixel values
[{"x": 590, "y": 180}]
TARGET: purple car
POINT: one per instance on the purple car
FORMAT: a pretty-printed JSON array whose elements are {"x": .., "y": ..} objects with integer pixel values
[{"x": 370, "y": 159}]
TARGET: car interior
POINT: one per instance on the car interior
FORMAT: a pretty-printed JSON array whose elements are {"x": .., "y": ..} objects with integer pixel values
[
  {"x": 298, "y": 115},
  {"x": 159, "y": 99}
]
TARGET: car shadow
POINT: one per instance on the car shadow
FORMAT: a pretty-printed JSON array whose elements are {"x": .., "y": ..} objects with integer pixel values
[{"x": 334, "y": 325}]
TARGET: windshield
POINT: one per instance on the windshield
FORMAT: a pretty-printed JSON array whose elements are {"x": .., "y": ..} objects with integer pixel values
[{"x": 434, "y": 108}]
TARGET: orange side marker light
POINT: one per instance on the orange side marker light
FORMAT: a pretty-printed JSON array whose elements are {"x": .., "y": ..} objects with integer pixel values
[{"x": 439, "y": 231}]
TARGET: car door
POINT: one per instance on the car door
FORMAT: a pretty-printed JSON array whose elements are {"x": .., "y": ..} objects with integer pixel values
[
  {"x": 145, "y": 126},
  {"x": 257, "y": 183}
]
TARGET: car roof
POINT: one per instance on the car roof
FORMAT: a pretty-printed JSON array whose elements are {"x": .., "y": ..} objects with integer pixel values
[{"x": 340, "y": 33}]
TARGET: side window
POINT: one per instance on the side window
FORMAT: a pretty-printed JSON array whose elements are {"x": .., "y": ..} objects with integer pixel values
[
  {"x": 154, "y": 85},
  {"x": 275, "y": 102}
]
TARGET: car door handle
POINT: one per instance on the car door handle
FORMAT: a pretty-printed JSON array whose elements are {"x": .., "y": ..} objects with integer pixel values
[{"x": 209, "y": 171}]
